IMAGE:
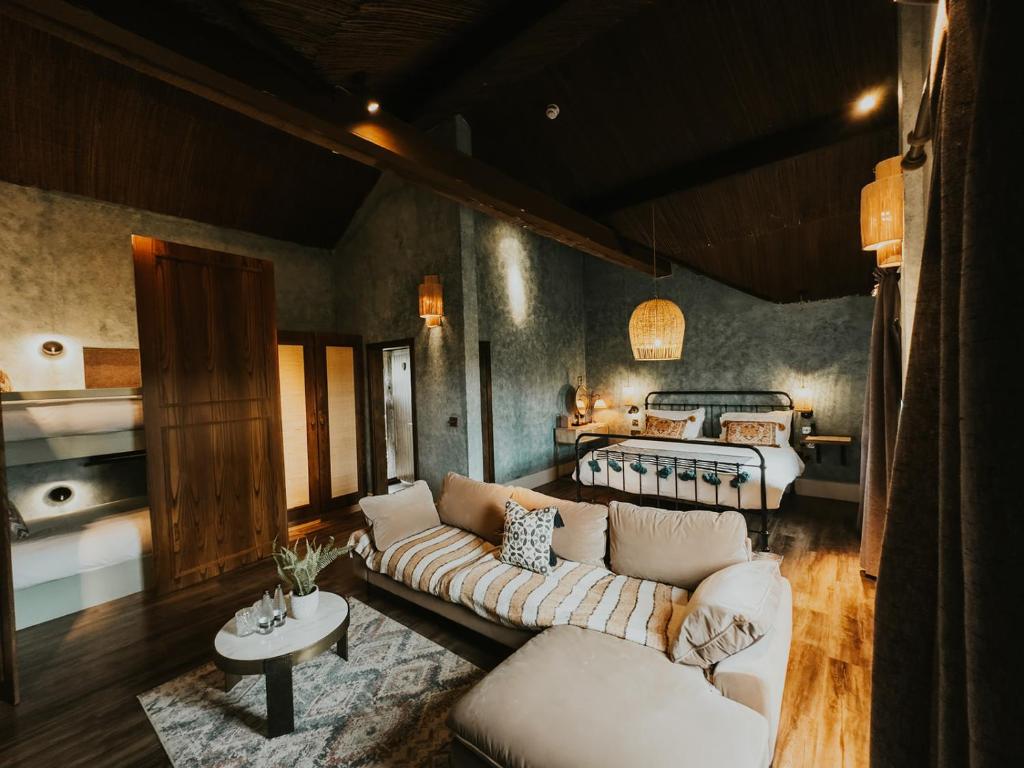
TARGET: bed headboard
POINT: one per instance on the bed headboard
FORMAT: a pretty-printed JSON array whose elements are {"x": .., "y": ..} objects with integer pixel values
[{"x": 715, "y": 402}]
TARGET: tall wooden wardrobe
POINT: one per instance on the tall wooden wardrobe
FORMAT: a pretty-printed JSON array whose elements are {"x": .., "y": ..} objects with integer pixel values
[{"x": 211, "y": 400}]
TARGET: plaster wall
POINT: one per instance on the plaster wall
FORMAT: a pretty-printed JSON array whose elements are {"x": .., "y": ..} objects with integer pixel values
[
  {"x": 915, "y": 40},
  {"x": 531, "y": 299},
  {"x": 401, "y": 233},
  {"x": 735, "y": 341},
  {"x": 67, "y": 274}
]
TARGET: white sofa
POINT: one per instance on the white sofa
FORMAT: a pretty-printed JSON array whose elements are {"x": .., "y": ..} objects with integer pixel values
[{"x": 577, "y": 697}]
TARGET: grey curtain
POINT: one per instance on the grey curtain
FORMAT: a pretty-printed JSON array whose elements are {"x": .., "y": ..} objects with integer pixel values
[
  {"x": 948, "y": 675},
  {"x": 881, "y": 416}
]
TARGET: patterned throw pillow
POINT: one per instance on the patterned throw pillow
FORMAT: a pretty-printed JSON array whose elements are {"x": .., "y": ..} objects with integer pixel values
[
  {"x": 527, "y": 539},
  {"x": 18, "y": 528},
  {"x": 659, "y": 427},
  {"x": 750, "y": 432}
]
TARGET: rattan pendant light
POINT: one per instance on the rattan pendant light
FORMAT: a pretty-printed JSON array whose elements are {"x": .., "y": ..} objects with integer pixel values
[
  {"x": 881, "y": 213},
  {"x": 657, "y": 326}
]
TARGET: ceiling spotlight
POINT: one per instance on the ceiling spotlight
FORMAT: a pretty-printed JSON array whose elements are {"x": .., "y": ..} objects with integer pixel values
[
  {"x": 373, "y": 106},
  {"x": 53, "y": 348},
  {"x": 551, "y": 111},
  {"x": 868, "y": 102}
]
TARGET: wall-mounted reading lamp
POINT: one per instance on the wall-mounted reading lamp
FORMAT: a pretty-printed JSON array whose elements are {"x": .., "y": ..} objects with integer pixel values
[{"x": 52, "y": 348}]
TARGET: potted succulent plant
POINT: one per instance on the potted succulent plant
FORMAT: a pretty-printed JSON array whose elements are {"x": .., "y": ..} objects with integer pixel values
[{"x": 300, "y": 566}]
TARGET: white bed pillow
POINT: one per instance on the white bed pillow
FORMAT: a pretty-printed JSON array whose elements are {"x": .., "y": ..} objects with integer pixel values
[
  {"x": 731, "y": 610},
  {"x": 694, "y": 428},
  {"x": 784, "y": 420}
]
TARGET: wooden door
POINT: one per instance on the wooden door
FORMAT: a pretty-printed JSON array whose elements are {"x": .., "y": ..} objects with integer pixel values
[
  {"x": 401, "y": 413},
  {"x": 340, "y": 417},
  {"x": 487, "y": 411},
  {"x": 8, "y": 655},
  {"x": 300, "y": 424},
  {"x": 215, "y": 464},
  {"x": 377, "y": 396}
]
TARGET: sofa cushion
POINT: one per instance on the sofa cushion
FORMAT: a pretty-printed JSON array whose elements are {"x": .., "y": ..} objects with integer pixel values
[
  {"x": 527, "y": 539},
  {"x": 731, "y": 610},
  {"x": 573, "y": 697},
  {"x": 397, "y": 515},
  {"x": 678, "y": 548},
  {"x": 474, "y": 506},
  {"x": 584, "y": 537}
]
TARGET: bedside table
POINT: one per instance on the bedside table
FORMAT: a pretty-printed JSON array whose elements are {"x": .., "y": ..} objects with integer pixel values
[
  {"x": 817, "y": 441},
  {"x": 568, "y": 435}
]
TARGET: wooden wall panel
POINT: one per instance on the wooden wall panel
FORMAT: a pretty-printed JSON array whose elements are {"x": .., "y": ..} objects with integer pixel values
[
  {"x": 111, "y": 367},
  {"x": 212, "y": 409}
]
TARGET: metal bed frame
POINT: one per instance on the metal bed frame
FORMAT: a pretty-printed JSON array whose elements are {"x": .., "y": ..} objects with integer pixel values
[{"x": 670, "y": 470}]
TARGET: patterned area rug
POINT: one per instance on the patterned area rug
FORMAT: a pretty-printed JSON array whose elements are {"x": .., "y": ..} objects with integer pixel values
[{"x": 386, "y": 706}]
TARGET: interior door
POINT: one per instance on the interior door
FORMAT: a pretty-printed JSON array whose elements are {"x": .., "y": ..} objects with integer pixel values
[
  {"x": 340, "y": 417},
  {"x": 215, "y": 463},
  {"x": 8, "y": 657},
  {"x": 296, "y": 353},
  {"x": 401, "y": 413},
  {"x": 375, "y": 360}
]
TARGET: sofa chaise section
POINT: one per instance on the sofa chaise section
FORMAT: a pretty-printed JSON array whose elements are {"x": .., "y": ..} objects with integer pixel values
[{"x": 573, "y": 697}]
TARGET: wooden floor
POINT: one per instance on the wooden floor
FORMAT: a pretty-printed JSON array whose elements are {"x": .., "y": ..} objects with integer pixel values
[{"x": 81, "y": 674}]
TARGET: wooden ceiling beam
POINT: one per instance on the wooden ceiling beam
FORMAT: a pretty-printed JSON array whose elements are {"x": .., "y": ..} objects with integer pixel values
[
  {"x": 482, "y": 41},
  {"x": 810, "y": 136},
  {"x": 334, "y": 121},
  {"x": 523, "y": 38}
]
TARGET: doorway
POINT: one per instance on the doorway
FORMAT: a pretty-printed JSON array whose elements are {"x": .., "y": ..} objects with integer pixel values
[
  {"x": 322, "y": 421},
  {"x": 392, "y": 414}
]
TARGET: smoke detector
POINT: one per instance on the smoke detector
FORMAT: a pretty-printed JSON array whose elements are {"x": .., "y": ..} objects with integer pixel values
[{"x": 551, "y": 111}]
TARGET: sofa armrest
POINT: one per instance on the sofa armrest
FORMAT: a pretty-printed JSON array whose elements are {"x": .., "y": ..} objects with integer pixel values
[{"x": 756, "y": 676}]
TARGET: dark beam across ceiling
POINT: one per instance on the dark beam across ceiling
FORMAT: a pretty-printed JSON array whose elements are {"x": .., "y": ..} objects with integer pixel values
[
  {"x": 513, "y": 20},
  {"x": 335, "y": 121},
  {"x": 537, "y": 34},
  {"x": 809, "y": 136}
]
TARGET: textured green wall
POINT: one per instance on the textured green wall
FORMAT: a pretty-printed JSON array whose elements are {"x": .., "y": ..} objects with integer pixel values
[
  {"x": 401, "y": 233},
  {"x": 735, "y": 341},
  {"x": 531, "y": 299},
  {"x": 67, "y": 273}
]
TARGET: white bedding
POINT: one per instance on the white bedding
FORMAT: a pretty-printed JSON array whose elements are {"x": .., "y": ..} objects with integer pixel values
[
  {"x": 782, "y": 466},
  {"x": 100, "y": 543}
]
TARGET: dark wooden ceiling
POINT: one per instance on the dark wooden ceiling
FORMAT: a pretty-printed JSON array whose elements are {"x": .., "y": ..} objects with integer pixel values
[
  {"x": 727, "y": 120},
  {"x": 74, "y": 122}
]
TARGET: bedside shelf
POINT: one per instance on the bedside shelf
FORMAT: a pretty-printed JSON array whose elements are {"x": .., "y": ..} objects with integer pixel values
[
  {"x": 817, "y": 441},
  {"x": 568, "y": 435}
]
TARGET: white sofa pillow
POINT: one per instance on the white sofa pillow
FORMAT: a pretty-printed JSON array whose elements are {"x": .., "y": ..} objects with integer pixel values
[
  {"x": 694, "y": 428},
  {"x": 677, "y": 548},
  {"x": 731, "y": 610},
  {"x": 782, "y": 419}
]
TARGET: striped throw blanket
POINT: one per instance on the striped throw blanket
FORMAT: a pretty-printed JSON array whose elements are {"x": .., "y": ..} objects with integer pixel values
[{"x": 464, "y": 569}]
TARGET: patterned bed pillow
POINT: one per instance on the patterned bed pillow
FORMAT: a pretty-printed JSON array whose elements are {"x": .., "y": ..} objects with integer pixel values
[
  {"x": 750, "y": 432},
  {"x": 659, "y": 427},
  {"x": 18, "y": 528},
  {"x": 527, "y": 539}
]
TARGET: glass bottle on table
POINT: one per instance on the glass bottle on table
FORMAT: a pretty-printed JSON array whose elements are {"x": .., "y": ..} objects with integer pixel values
[
  {"x": 280, "y": 609},
  {"x": 266, "y": 616}
]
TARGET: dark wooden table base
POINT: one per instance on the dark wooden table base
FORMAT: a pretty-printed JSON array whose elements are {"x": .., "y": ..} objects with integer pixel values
[{"x": 280, "y": 698}]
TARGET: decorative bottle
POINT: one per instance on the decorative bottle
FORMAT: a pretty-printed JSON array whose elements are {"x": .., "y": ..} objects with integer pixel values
[
  {"x": 280, "y": 609},
  {"x": 266, "y": 618}
]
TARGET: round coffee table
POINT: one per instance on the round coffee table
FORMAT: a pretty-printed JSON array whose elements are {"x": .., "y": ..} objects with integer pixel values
[{"x": 275, "y": 654}]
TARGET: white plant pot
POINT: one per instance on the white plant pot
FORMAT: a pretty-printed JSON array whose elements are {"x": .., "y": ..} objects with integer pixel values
[{"x": 304, "y": 606}]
